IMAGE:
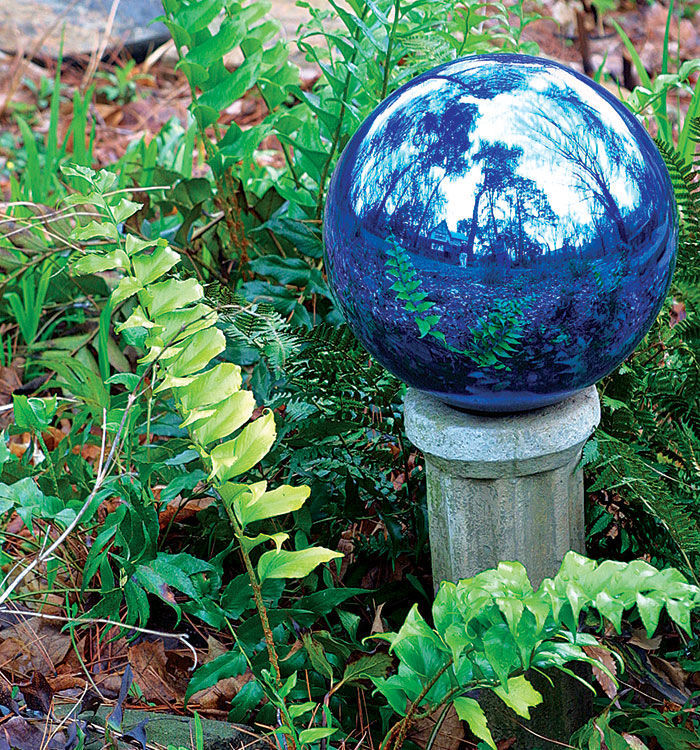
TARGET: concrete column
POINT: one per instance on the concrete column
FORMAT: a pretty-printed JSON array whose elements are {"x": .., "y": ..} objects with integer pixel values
[{"x": 502, "y": 487}]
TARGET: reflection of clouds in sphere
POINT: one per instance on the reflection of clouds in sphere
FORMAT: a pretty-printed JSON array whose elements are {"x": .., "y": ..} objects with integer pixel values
[{"x": 484, "y": 201}]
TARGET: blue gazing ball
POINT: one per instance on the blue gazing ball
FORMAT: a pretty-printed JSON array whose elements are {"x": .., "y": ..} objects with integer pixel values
[{"x": 500, "y": 232}]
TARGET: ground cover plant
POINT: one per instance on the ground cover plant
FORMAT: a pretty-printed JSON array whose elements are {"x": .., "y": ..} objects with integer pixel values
[{"x": 201, "y": 463}]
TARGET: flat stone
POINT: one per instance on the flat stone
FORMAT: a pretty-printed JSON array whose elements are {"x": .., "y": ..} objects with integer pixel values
[
  {"x": 24, "y": 23},
  {"x": 170, "y": 730}
]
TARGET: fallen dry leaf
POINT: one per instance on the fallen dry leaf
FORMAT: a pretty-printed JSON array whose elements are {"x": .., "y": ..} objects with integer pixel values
[
  {"x": 377, "y": 623},
  {"x": 183, "y": 510},
  {"x": 33, "y": 645},
  {"x": 670, "y": 672},
  {"x": 158, "y": 681},
  {"x": 21, "y": 734},
  {"x": 449, "y": 737},
  {"x": 605, "y": 657},
  {"x": 639, "y": 639},
  {"x": 220, "y": 695}
]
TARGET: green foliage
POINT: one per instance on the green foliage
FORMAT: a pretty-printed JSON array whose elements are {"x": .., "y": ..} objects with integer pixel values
[
  {"x": 182, "y": 341},
  {"x": 645, "y": 453},
  {"x": 650, "y": 98},
  {"x": 489, "y": 630},
  {"x": 27, "y": 304},
  {"x": 407, "y": 288},
  {"x": 613, "y": 729},
  {"x": 493, "y": 339},
  {"x": 218, "y": 294},
  {"x": 120, "y": 85}
]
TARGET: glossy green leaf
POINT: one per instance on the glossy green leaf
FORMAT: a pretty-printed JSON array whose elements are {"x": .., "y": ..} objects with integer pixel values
[
  {"x": 137, "y": 319},
  {"x": 166, "y": 296},
  {"x": 285, "y": 564},
  {"x": 229, "y": 414},
  {"x": 251, "y": 542},
  {"x": 211, "y": 387},
  {"x": 519, "y": 695},
  {"x": 244, "y": 451},
  {"x": 135, "y": 244},
  {"x": 284, "y": 499},
  {"x": 33, "y": 414},
  {"x": 96, "y": 230},
  {"x": 308, "y": 736},
  {"x": 232, "y": 87},
  {"x": 148, "y": 268},
  {"x": 179, "y": 324},
  {"x": 470, "y": 711},
  {"x": 98, "y": 262},
  {"x": 229, "y": 664},
  {"x": 197, "y": 352},
  {"x": 127, "y": 287}
]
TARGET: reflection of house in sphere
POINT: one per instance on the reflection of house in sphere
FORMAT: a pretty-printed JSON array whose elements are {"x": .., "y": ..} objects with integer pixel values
[{"x": 500, "y": 232}]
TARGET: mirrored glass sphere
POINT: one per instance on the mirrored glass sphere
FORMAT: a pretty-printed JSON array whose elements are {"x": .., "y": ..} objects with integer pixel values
[{"x": 500, "y": 232}]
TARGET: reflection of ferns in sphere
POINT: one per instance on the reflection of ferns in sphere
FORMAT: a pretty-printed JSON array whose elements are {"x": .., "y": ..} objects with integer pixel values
[{"x": 500, "y": 232}]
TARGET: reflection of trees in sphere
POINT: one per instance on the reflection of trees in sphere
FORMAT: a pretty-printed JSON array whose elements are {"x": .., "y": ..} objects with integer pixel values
[{"x": 500, "y": 232}]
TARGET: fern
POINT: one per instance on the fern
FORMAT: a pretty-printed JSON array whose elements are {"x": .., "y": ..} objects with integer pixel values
[{"x": 649, "y": 443}]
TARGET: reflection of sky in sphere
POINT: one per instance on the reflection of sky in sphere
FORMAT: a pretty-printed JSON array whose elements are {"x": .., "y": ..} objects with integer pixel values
[
  {"x": 521, "y": 117},
  {"x": 501, "y": 232}
]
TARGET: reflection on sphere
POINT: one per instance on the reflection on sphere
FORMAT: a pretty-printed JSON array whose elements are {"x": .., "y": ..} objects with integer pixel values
[{"x": 500, "y": 232}]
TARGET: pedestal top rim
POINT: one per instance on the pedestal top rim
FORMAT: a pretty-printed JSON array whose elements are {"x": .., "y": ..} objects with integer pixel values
[{"x": 443, "y": 431}]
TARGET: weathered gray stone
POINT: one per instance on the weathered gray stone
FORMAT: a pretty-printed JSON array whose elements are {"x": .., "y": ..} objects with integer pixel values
[
  {"x": 502, "y": 487},
  {"x": 81, "y": 23},
  {"x": 508, "y": 487}
]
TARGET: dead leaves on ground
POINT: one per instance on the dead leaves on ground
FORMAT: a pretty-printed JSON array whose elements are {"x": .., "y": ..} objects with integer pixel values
[{"x": 98, "y": 658}]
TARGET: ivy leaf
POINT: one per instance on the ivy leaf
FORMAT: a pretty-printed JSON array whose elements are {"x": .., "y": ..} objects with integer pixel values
[
  {"x": 519, "y": 695},
  {"x": 470, "y": 711}
]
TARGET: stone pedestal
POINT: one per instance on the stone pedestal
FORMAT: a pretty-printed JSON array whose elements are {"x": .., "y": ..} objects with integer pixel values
[
  {"x": 508, "y": 488},
  {"x": 502, "y": 487}
]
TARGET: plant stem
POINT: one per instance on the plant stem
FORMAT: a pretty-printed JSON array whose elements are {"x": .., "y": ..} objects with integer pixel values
[
  {"x": 257, "y": 592},
  {"x": 390, "y": 48},
  {"x": 339, "y": 127},
  {"x": 408, "y": 719},
  {"x": 52, "y": 468},
  {"x": 262, "y": 613}
]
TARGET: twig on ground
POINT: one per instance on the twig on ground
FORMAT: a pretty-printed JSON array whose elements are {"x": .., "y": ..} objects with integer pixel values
[{"x": 183, "y": 638}]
